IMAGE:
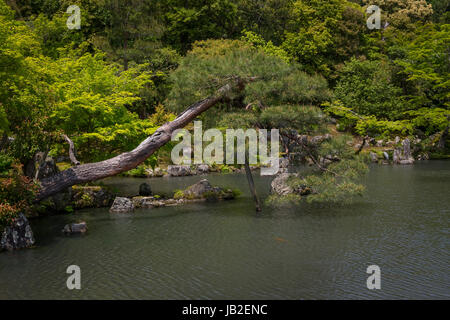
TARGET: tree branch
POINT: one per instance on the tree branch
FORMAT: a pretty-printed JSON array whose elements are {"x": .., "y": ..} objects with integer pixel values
[
  {"x": 72, "y": 157},
  {"x": 129, "y": 160}
]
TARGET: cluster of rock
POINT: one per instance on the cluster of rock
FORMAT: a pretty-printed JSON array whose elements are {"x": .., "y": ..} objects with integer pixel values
[
  {"x": 185, "y": 170},
  {"x": 401, "y": 154},
  {"x": 200, "y": 191},
  {"x": 17, "y": 236},
  {"x": 79, "y": 197}
]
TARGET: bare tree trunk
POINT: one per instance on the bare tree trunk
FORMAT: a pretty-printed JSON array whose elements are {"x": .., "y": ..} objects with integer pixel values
[
  {"x": 129, "y": 160},
  {"x": 72, "y": 156}
]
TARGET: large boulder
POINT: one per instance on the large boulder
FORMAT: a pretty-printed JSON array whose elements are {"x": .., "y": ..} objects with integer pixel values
[
  {"x": 179, "y": 171},
  {"x": 75, "y": 228},
  {"x": 17, "y": 236},
  {"x": 199, "y": 189},
  {"x": 204, "y": 190},
  {"x": 403, "y": 155},
  {"x": 121, "y": 205},
  {"x": 279, "y": 184},
  {"x": 145, "y": 190}
]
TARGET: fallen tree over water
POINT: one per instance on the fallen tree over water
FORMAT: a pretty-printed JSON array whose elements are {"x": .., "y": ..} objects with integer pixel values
[{"x": 126, "y": 161}]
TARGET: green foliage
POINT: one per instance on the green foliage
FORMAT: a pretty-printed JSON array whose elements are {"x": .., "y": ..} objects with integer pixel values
[
  {"x": 340, "y": 180},
  {"x": 17, "y": 193},
  {"x": 213, "y": 63},
  {"x": 6, "y": 162},
  {"x": 402, "y": 14},
  {"x": 367, "y": 125},
  {"x": 366, "y": 87},
  {"x": 190, "y": 21},
  {"x": 383, "y": 128},
  {"x": 426, "y": 66},
  {"x": 430, "y": 120},
  {"x": 322, "y": 34},
  {"x": 267, "y": 46}
]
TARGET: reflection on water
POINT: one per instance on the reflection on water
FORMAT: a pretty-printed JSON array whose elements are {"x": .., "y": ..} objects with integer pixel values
[{"x": 225, "y": 250}]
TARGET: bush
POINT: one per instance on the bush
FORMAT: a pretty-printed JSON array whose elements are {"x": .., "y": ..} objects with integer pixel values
[
  {"x": 366, "y": 88},
  {"x": 17, "y": 193}
]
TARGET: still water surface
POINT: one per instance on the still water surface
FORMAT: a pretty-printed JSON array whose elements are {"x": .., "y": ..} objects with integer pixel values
[{"x": 225, "y": 250}]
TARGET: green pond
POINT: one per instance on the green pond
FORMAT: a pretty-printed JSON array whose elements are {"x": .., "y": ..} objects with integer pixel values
[{"x": 225, "y": 250}]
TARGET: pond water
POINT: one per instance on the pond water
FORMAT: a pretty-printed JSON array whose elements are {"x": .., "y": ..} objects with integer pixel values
[{"x": 225, "y": 250}]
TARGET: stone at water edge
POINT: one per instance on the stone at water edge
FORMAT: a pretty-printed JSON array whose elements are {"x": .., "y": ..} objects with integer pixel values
[
  {"x": 386, "y": 155},
  {"x": 279, "y": 185},
  {"x": 202, "y": 168},
  {"x": 373, "y": 157},
  {"x": 179, "y": 171},
  {"x": 72, "y": 228},
  {"x": 197, "y": 190},
  {"x": 145, "y": 190},
  {"x": 406, "y": 149},
  {"x": 17, "y": 236},
  {"x": 122, "y": 205}
]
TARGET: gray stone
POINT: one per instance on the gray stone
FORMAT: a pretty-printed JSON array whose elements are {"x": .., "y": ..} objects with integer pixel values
[
  {"x": 74, "y": 228},
  {"x": 179, "y": 171},
  {"x": 386, "y": 155},
  {"x": 397, "y": 155},
  {"x": 406, "y": 161},
  {"x": 279, "y": 184},
  {"x": 199, "y": 189},
  {"x": 121, "y": 205},
  {"x": 145, "y": 190},
  {"x": 158, "y": 172},
  {"x": 406, "y": 149},
  {"x": 373, "y": 157},
  {"x": 202, "y": 169},
  {"x": 379, "y": 143},
  {"x": 47, "y": 169},
  {"x": 143, "y": 202},
  {"x": 17, "y": 236}
]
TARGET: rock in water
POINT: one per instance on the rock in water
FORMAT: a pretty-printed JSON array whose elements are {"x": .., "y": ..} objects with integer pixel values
[
  {"x": 75, "y": 228},
  {"x": 121, "y": 205},
  {"x": 17, "y": 236},
  {"x": 197, "y": 190},
  {"x": 145, "y": 190},
  {"x": 179, "y": 171},
  {"x": 279, "y": 185}
]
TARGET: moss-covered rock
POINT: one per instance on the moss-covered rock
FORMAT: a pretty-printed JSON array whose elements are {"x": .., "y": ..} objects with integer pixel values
[{"x": 91, "y": 197}]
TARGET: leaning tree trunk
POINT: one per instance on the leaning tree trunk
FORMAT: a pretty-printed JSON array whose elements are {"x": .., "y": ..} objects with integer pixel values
[{"x": 129, "y": 160}]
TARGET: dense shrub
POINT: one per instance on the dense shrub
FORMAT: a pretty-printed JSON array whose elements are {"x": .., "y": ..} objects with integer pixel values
[{"x": 17, "y": 193}]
